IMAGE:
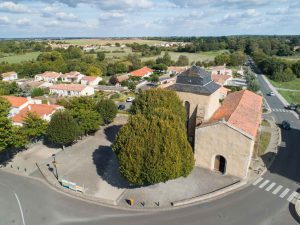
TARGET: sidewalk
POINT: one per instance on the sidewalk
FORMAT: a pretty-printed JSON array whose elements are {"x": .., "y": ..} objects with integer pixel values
[{"x": 260, "y": 165}]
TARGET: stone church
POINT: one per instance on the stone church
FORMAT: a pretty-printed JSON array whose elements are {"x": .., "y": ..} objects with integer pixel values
[{"x": 222, "y": 135}]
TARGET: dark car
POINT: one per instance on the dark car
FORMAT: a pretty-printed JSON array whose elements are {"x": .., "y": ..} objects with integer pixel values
[
  {"x": 121, "y": 107},
  {"x": 292, "y": 107},
  {"x": 286, "y": 125}
]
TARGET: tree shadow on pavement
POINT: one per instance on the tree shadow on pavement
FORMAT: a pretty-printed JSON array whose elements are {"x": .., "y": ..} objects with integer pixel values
[
  {"x": 107, "y": 167},
  {"x": 7, "y": 156},
  {"x": 293, "y": 212},
  {"x": 111, "y": 132}
]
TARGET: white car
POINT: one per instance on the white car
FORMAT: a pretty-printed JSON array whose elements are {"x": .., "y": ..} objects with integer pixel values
[
  {"x": 129, "y": 99},
  {"x": 271, "y": 93}
]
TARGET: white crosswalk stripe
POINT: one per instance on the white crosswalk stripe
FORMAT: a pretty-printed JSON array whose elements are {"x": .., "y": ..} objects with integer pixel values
[
  {"x": 280, "y": 110},
  {"x": 257, "y": 181},
  {"x": 270, "y": 186},
  {"x": 264, "y": 183},
  {"x": 292, "y": 196},
  {"x": 277, "y": 190},
  {"x": 284, "y": 193}
]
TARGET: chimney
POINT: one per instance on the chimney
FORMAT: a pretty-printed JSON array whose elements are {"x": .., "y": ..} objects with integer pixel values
[{"x": 29, "y": 107}]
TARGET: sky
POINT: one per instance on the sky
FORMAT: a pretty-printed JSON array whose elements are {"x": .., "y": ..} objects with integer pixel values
[{"x": 140, "y": 18}]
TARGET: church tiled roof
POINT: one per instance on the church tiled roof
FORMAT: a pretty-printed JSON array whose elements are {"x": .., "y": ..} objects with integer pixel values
[{"x": 195, "y": 80}]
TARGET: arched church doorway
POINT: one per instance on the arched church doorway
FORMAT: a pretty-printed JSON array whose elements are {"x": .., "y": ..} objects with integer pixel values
[
  {"x": 187, "y": 112},
  {"x": 220, "y": 164}
]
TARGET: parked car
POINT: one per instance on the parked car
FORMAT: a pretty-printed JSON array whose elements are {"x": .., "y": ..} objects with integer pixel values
[
  {"x": 129, "y": 99},
  {"x": 271, "y": 93},
  {"x": 286, "y": 125},
  {"x": 291, "y": 107},
  {"x": 121, "y": 107}
]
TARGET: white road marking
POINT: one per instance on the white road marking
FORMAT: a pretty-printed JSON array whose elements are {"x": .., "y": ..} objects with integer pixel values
[
  {"x": 270, "y": 186},
  {"x": 258, "y": 180},
  {"x": 292, "y": 196},
  {"x": 277, "y": 190},
  {"x": 284, "y": 193},
  {"x": 23, "y": 220},
  {"x": 264, "y": 183}
]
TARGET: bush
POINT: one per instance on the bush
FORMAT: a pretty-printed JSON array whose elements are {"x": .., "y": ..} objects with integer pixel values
[
  {"x": 35, "y": 92},
  {"x": 285, "y": 76}
]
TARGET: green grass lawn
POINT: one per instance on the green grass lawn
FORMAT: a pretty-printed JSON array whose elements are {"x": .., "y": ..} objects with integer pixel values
[
  {"x": 292, "y": 57},
  {"x": 193, "y": 57},
  {"x": 263, "y": 142},
  {"x": 265, "y": 123},
  {"x": 291, "y": 97},
  {"x": 20, "y": 58},
  {"x": 293, "y": 85}
]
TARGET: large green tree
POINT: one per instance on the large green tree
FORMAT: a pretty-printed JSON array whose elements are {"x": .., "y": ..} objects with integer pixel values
[
  {"x": 107, "y": 109},
  {"x": 149, "y": 100},
  {"x": 62, "y": 129},
  {"x": 87, "y": 120},
  {"x": 34, "y": 126},
  {"x": 153, "y": 149}
]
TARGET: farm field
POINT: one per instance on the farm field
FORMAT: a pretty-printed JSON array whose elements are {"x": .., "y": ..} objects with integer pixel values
[
  {"x": 193, "y": 57},
  {"x": 20, "y": 58},
  {"x": 109, "y": 41},
  {"x": 293, "y": 85},
  {"x": 292, "y": 58},
  {"x": 291, "y": 97}
]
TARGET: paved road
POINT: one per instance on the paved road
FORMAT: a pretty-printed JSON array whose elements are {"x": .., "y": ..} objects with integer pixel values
[{"x": 265, "y": 203}]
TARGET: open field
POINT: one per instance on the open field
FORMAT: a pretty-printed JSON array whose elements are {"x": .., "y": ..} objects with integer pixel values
[
  {"x": 193, "y": 57},
  {"x": 293, "y": 85},
  {"x": 291, "y": 97},
  {"x": 292, "y": 58},
  {"x": 109, "y": 41},
  {"x": 20, "y": 58}
]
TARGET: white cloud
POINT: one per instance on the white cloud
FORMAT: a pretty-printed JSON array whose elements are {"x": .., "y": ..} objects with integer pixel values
[
  {"x": 4, "y": 20},
  {"x": 13, "y": 7},
  {"x": 23, "y": 22}
]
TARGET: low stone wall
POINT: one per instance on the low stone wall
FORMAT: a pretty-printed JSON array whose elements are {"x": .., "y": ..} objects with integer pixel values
[{"x": 211, "y": 195}]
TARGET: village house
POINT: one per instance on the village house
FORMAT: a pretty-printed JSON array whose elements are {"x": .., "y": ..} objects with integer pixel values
[
  {"x": 17, "y": 104},
  {"x": 70, "y": 90},
  {"x": 222, "y": 136},
  {"x": 176, "y": 69},
  {"x": 143, "y": 72},
  {"x": 121, "y": 78},
  {"x": 90, "y": 81},
  {"x": 9, "y": 76},
  {"x": 72, "y": 77},
  {"x": 50, "y": 77},
  {"x": 44, "y": 111},
  {"x": 221, "y": 70}
]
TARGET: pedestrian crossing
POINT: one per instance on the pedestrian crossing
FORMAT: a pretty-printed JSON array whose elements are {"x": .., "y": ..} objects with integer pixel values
[
  {"x": 277, "y": 189},
  {"x": 280, "y": 110}
]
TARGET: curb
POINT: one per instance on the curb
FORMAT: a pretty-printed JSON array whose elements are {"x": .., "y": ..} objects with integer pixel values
[
  {"x": 297, "y": 207},
  {"x": 209, "y": 196}
]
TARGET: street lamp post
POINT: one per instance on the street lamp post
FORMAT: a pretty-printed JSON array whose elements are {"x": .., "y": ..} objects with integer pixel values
[{"x": 54, "y": 164}]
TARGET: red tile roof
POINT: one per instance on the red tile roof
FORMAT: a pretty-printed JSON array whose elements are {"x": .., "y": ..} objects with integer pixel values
[
  {"x": 50, "y": 74},
  {"x": 89, "y": 78},
  {"x": 68, "y": 87},
  {"x": 16, "y": 101},
  {"x": 141, "y": 72},
  {"x": 220, "y": 79},
  {"x": 72, "y": 74},
  {"x": 243, "y": 110},
  {"x": 8, "y": 74},
  {"x": 39, "y": 109}
]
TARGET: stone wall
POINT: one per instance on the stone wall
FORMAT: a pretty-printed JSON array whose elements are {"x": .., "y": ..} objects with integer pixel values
[{"x": 221, "y": 139}]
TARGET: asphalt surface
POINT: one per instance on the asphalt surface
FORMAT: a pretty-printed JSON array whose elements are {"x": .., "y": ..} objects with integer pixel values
[{"x": 31, "y": 202}]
